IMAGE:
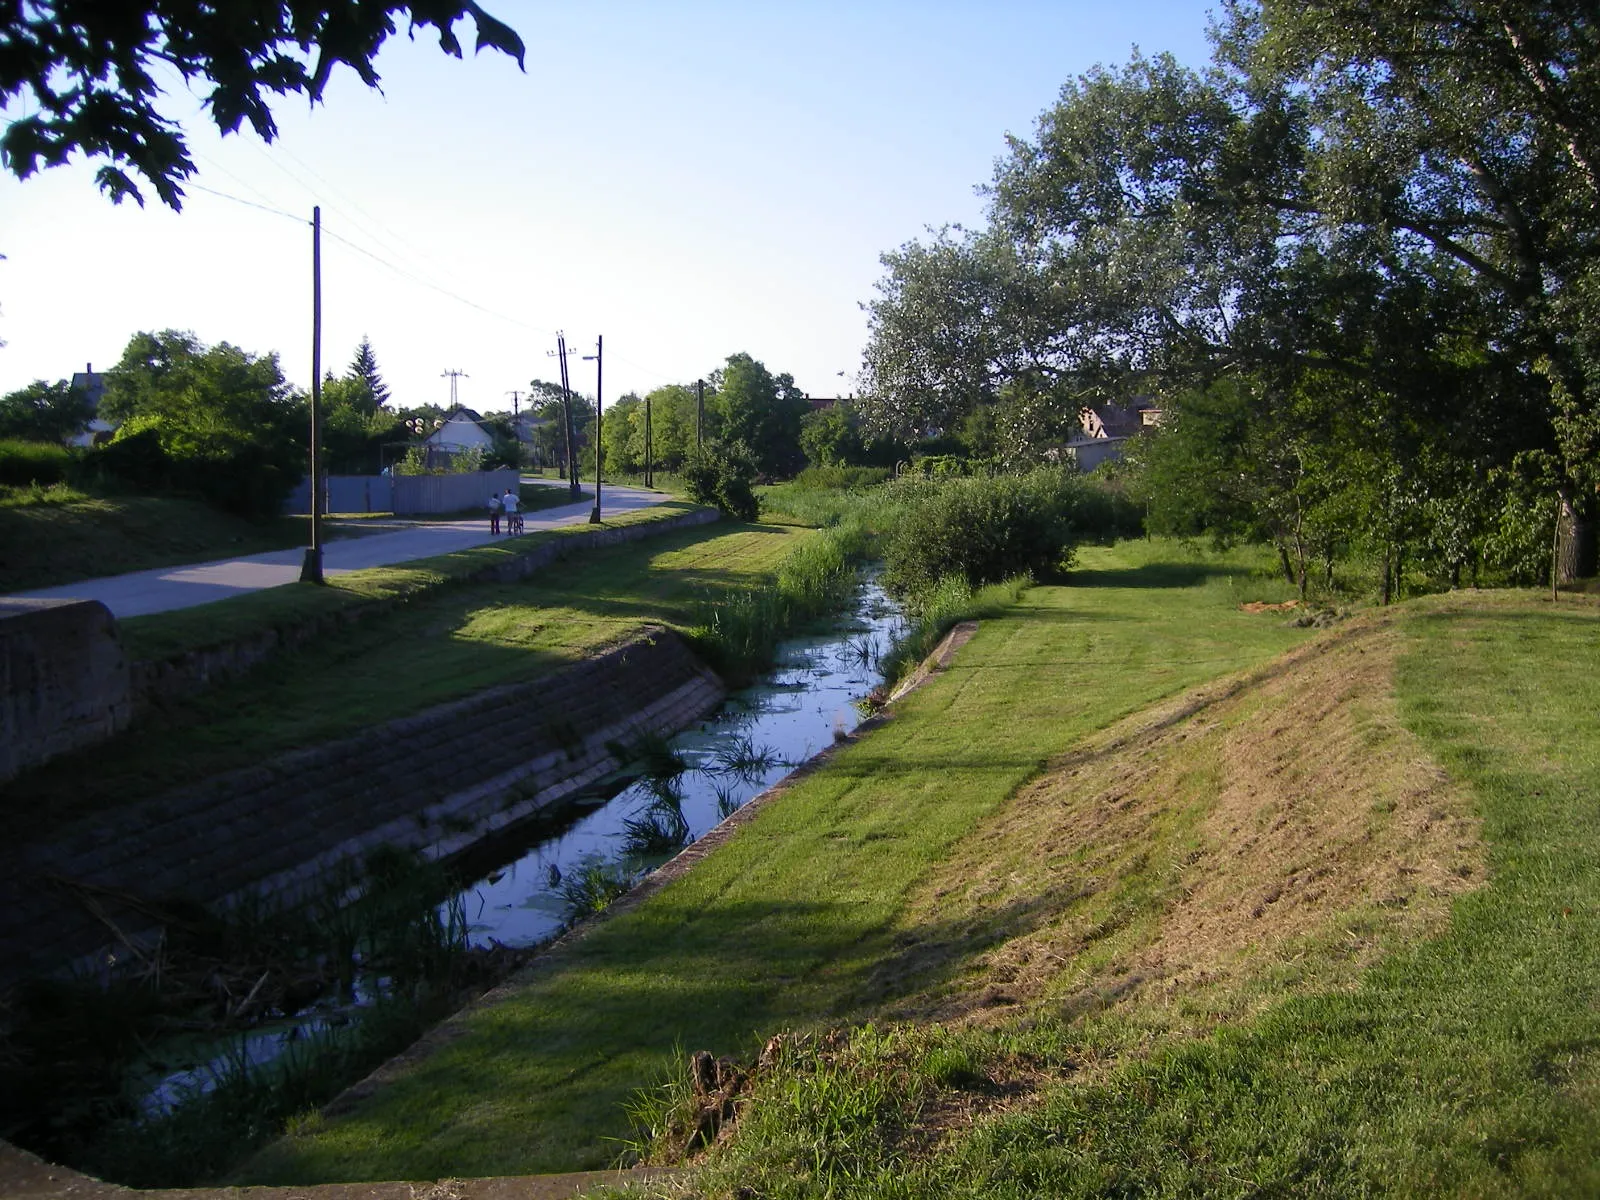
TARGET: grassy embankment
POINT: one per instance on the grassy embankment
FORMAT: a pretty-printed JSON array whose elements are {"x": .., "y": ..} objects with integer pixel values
[
  {"x": 59, "y": 534},
  {"x": 444, "y": 643},
  {"x": 1253, "y": 939},
  {"x": 1377, "y": 977},
  {"x": 789, "y": 925}
]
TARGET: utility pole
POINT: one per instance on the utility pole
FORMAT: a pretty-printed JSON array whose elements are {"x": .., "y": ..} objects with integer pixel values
[
  {"x": 516, "y": 436},
  {"x": 599, "y": 406},
  {"x": 454, "y": 375},
  {"x": 311, "y": 568},
  {"x": 699, "y": 415},
  {"x": 649, "y": 473},
  {"x": 566, "y": 415}
]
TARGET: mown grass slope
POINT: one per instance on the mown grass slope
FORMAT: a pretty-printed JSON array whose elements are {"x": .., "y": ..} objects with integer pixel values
[
  {"x": 788, "y": 925},
  {"x": 60, "y": 535},
  {"x": 1333, "y": 934}
]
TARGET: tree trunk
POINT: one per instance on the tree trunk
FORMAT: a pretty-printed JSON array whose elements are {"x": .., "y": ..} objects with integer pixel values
[
  {"x": 1288, "y": 567},
  {"x": 1386, "y": 590},
  {"x": 1574, "y": 553}
]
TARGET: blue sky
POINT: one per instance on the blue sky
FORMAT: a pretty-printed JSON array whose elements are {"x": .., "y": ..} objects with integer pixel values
[{"x": 688, "y": 179}]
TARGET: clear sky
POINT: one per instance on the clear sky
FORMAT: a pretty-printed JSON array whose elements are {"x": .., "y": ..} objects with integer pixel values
[{"x": 689, "y": 179}]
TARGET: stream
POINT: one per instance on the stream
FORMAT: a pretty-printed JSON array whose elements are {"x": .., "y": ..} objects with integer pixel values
[{"x": 524, "y": 876}]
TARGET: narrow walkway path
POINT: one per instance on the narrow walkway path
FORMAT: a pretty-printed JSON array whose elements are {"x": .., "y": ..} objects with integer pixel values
[{"x": 165, "y": 588}]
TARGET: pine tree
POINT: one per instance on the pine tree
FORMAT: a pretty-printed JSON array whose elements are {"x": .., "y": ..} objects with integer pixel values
[{"x": 364, "y": 367}]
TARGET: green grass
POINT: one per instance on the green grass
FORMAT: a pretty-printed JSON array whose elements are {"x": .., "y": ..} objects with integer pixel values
[
  {"x": 163, "y": 635},
  {"x": 59, "y": 534},
  {"x": 446, "y": 643},
  {"x": 784, "y": 925},
  {"x": 1466, "y": 1064}
]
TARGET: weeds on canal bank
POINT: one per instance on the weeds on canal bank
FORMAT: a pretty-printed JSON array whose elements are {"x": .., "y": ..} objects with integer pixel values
[
  {"x": 739, "y": 633},
  {"x": 338, "y": 984}
]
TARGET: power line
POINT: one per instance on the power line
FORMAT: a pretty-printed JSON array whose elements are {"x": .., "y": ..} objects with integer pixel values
[{"x": 277, "y": 212}]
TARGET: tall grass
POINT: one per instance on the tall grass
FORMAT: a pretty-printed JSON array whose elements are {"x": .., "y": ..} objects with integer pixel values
[{"x": 738, "y": 634}]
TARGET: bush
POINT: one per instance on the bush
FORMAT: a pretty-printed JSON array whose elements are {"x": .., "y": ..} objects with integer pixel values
[
  {"x": 723, "y": 475},
  {"x": 23, "y": 463},
  {"x": 983, "y": 530},
  {"x": 233, "y": 473}
]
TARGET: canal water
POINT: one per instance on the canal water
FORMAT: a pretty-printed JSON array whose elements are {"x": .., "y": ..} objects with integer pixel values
[
  {"x": 523, "y": 878},
  {"x": 756, "y": 738}
]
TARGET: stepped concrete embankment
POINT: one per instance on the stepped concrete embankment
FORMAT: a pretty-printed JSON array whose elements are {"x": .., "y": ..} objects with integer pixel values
[{"x": 432, "y": 783}]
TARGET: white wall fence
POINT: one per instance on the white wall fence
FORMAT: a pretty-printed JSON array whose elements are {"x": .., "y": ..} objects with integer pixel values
[
  {"x": 405, "y": 495},
  {"x": 451, "y": 493}
]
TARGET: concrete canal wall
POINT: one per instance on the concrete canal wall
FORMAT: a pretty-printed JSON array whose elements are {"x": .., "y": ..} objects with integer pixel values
[{"x": 433, "y": 783}]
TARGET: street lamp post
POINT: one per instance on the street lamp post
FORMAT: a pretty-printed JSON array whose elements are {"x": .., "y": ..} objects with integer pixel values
[{"x": 599, "y": 408}]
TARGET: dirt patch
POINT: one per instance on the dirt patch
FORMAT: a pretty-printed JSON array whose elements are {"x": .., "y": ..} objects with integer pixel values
[
  {"x": 1261, "y": 606},
  {"x": 1268, "y": 832}
]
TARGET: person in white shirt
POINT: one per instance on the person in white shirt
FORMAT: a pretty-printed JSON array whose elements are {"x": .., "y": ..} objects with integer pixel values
[
  {"x": 512, "y": 503},
  {"x": 494, "y": 513}
]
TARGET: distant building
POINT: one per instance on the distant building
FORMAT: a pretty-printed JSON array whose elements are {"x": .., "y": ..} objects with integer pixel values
[
  {"x": 461, "y": 429},
  {"x": 1118, "y": 420},
  {"x": 92, "y": 384},
  {"x": 818, "y": 403},
  {"x": 1106, "y": 430}
]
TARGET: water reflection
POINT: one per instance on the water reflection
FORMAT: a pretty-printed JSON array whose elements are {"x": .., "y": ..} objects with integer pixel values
[{"x": 756, "y": 738}]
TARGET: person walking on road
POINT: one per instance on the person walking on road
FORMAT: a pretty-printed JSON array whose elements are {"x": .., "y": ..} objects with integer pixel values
[
  {"x": 512, "y": 503},
  {"x": 494, "y": 513}
]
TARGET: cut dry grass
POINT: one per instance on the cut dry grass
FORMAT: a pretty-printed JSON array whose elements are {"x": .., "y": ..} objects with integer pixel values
[{"x": 1189, "y": 863}]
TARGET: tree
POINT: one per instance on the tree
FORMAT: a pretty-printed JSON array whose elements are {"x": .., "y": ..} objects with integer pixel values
[
  {"x": 216, "y": 420},
  {"x": 45, "y": 412},
  {"x": 623, "y": 435},
  {"x": 86, "y": 72},
  {"x": 364, "y": 368},
  {"x": 672, "y": 419},
  {"x": 763, "y": 412},
  {"x": 1473, "y": 128}
]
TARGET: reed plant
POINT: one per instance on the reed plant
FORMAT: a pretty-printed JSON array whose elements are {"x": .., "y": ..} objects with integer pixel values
[{"x": 738, "y": 633}]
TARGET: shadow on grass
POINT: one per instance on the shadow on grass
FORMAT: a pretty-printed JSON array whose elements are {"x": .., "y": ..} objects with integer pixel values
[{"x": 1160, "y": 575}]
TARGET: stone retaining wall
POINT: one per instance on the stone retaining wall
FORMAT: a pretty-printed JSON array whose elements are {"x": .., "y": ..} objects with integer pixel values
[
  {"x": 63, "y": 680},
  {"x": 432, "y": 783}
]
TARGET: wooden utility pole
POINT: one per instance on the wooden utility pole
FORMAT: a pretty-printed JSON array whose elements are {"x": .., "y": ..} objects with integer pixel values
[
  {"x": 311, "y": 568},
  {"x": 649, "y": 471},
  {"x": 566, "y": 417},
  {"x": 699, "y": 415},
  {"x": 599, "y": 406}
]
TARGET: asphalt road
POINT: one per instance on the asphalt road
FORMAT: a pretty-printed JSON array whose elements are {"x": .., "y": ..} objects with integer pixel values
[{"x": 140, "y": 592}]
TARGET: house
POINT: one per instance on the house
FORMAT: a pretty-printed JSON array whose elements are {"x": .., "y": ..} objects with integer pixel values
[
  {"x": 1106, "y": 429},
  {"x": 460, "y": 430},
  {"x": 92, "y": 384},
  {"x": 1118, "y": 420}
]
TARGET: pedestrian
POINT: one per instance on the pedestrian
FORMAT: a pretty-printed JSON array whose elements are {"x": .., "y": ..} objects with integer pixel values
[
  {"x": 494, "y": 513},
  {"x": 512, "y": 503}
]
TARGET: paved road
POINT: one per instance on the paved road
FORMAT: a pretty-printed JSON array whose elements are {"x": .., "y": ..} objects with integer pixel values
[{"x": 142, "y": 592}]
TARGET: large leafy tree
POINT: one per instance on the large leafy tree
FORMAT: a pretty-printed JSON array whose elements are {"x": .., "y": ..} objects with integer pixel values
[
  {"x": 45, "y": 412},
  {"x": 1332, "y": 221},
  {"x": 213, "y": 419},
  {"x": 1470, "y": 128},
  {"x": 88, "y": 72},
  {"x": 761, "y": 410}
]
